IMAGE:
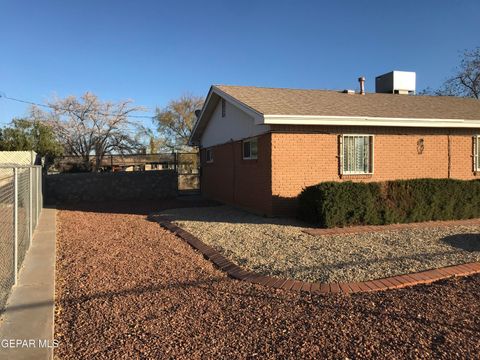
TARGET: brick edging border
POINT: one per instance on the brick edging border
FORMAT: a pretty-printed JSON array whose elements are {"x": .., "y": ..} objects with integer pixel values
[{"x": 394, "y": 282}]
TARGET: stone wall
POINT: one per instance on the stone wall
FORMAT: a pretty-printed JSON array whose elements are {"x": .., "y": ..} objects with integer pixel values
[{"x": 117, "y": 186}]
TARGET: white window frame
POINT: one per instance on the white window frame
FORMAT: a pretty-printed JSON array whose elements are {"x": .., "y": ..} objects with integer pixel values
[
  {"x": 209, "y": 159},
  {"x": 342, "y": 152},
  {"x": 476, "y": 153},
  {"x": 249, "y": 141}
]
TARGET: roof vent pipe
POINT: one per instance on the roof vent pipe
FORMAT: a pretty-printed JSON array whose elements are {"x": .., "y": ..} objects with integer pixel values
[{"x": 361, "y": 80}]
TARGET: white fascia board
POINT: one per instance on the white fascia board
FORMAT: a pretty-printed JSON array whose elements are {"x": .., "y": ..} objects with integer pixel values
[{"x": 368, "y": 121}]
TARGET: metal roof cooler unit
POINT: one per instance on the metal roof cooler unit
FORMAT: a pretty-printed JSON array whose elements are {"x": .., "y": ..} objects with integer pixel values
[{"x": 396, "y": 82}]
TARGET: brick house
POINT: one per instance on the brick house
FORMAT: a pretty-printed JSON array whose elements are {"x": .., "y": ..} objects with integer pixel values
[{"x": 261, "y": 146}]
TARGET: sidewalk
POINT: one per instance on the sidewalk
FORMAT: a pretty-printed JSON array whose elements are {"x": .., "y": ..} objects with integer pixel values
[{"x": 28, "y": 315}]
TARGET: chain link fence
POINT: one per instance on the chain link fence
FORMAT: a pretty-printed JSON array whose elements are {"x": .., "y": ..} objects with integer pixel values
[{"x": 20, "y": 206}]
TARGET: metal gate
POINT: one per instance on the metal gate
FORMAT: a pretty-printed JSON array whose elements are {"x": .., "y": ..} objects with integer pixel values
[{"x": 187, "y": 166}]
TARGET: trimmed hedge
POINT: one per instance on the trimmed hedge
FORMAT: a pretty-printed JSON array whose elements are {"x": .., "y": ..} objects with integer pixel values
[{"x": 333, "y": 204}]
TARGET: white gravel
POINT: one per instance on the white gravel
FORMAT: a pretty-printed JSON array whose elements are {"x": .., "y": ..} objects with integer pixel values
[{"x": 278, "y": 247}]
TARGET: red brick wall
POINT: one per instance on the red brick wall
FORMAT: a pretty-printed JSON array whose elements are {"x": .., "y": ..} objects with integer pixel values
[
  {"x": 461, "y": 150},
  {"x": 232, "y": 180},
  {"x": 293, "y": 157},
  {"x": 304, "y": 156}
]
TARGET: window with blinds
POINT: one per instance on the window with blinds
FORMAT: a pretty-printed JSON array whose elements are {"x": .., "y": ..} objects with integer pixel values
[{"x": 356, "y": 154}]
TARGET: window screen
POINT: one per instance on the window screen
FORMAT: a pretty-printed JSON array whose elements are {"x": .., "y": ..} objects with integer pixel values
[{"x": 356, "y": 154}]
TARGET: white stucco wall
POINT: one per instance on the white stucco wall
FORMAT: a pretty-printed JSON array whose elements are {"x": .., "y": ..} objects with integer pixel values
[{"x": 236, "y": 125}]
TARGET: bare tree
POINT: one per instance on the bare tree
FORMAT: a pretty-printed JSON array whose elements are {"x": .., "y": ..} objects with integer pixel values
[
  {"x": 175, "y": 122},
  {"x": 88, "y": 127},
  {"x": 466, "y": 81}
]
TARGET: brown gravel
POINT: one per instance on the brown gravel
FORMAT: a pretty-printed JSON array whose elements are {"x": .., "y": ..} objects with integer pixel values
[{"x": 128, "y": 289}]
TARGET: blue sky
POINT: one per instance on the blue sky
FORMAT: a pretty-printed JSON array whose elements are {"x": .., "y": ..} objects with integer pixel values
[{"x": 154, "y": 51}]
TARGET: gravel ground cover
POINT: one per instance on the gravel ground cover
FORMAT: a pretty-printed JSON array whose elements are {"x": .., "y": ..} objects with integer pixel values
[
  {"x": 127, "y": 289},
  {"x": 280, "y": 248}
]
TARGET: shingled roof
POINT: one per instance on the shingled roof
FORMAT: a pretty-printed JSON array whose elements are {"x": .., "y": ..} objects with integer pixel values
[
  {"x": 278, "y": 101},
  {"x": 272, "y": 106}
]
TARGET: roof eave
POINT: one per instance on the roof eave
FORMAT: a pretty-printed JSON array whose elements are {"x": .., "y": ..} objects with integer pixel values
[
  {"x": 193, "y": 140},
  {"x": 369, "y": 121},
  {"x": 197, "y": 131}
]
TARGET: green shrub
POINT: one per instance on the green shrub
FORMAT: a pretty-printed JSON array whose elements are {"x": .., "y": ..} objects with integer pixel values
[{"x": 331, "y": 204}]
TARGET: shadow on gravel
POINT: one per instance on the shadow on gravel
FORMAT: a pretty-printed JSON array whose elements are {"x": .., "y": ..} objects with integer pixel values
[
  {"x": 228, "y": 214},
  {"x": 135, "y": 207},
  {"x": 467, "y": 242},
  {"x": 427, "y": 259},
  {"x": 143, "y": 290},
  {"x": 122, "y": 293}
]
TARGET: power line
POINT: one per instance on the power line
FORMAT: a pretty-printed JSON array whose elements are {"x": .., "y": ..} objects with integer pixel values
[{"x": 4, "y": 96}]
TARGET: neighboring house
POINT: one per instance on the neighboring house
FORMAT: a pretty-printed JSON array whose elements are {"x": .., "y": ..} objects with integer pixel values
[
  {"x": 19, "y": 158},
  {"x": 261, "y": 146}
]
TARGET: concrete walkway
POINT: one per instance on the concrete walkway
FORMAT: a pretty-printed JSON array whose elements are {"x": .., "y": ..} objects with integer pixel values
[{"x": 26, "y": 327}]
